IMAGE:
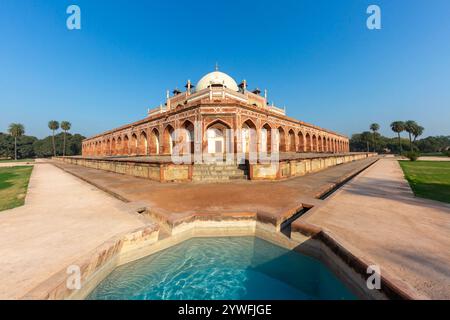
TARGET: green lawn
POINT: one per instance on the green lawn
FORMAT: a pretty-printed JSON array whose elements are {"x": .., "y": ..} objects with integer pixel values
[
  {"x": 428, "y": 179},
  {"x": 13, "y": 186},
  {"x": 19, "y": 160}
]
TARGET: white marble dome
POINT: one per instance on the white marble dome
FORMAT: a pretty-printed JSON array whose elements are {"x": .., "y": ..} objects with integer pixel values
[{"x": 217, "y": 77}]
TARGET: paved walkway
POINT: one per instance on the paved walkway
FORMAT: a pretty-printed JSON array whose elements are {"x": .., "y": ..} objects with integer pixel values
[
  {"x": 179, "y": 200},
  {"x": 377, "y": 217},
  {"x": 63, "y": 219}
]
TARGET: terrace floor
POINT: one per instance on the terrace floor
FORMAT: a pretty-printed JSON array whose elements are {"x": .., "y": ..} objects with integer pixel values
[{"x": 179, "y": 201}]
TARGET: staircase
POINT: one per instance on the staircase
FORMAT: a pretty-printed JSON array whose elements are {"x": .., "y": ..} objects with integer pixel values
[{"x": 218, "y": 172}]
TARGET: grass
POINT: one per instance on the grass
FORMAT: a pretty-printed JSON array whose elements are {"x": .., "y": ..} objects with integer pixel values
[
  {"x": 13, "y": 186},
  {"x": 19, "y": 160},
  {"x": 428, "y": 179},
  {"x": 433, "y": 154}
]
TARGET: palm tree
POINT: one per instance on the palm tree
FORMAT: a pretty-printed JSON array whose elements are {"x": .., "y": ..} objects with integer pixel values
[
  {"x": 398, "y": 127},
  {"x": 16, "y": 130},
  {"x": 65, "y": 125},
  {"x": 418, "y": 131},
  {"x": 374, "y": 127},
  {"x": 53, "y": 125},
  {"x": 410, "y": 127}
]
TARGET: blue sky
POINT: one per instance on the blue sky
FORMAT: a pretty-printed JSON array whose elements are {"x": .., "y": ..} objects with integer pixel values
[{"x": 315, "y": 57}]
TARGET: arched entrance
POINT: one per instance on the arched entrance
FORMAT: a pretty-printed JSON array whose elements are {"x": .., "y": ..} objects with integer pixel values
[
  {"x": 169, "y": 139},
  {"x": 308, "y": 143},
  {"x": 134, "y": 144},
  {"x": 143, "y": 144},
  {"x": 301, "y": 142},
  {"x": 119, "y": 146},
  {"x": 113, "y": 146},
  {"x": 187, "y": 139},
  {"x": 281, "y": 140},
  {"x": 154, "y": 142},
  {"x": 217, "y": 138},
  {"x": 249, "y": 137},
  {"x": 314, "y": 143},
  {"x": 291, "y": 135},
  {"x": 266, "y": 139},
  {"x": 125, "y": 143}
]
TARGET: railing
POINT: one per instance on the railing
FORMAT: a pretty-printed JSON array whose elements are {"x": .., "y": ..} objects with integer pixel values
[
  {"x": 277, "y": 110},
  {"x": 157, "y": 110}
]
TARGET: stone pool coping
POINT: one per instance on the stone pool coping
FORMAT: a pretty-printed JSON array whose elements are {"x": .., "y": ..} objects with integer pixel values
[
  {"x": 392, "y": 287},
  {"x": 128, "y": 247}
]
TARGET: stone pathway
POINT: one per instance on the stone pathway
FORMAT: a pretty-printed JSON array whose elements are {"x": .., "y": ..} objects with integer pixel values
[
  {"x": 377, "y": 217},
  {"x": 63, "y": 219}
]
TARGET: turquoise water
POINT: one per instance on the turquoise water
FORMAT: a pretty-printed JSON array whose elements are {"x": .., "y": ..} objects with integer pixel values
[{"x": 222, "y": 268}]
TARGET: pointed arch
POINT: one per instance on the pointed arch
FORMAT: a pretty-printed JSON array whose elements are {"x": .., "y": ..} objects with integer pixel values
[
  {"x": 168, "y": 139},
  {"x": 301, "y": 142},
  {"x": 125, "y": 145},
  {"x": 154, "y": 141},
  {"x": 291, "y": 140},
  {"x": 113, "y": 146},
  {"x": 187, "y": 137},
  {"x": 314, "y": 143},
  {"x": 218, "y": 138},
  {"x": 281, "y": 139},
  {"x": 308, "y": 142},
  {"x": 266, "y": 138},
  {"x": 142, "y": 144},
  {"x": 133, "y": 144},
  {"x": 249, "y": 137}
]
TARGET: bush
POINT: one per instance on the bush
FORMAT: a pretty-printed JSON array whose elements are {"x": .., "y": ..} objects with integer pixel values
[
  {"x": 446, "y": 153},
  {"x": 412, "y": 155}
]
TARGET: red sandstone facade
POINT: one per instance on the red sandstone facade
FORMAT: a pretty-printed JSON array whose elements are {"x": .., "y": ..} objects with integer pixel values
[{"x": 201, "y": 120}]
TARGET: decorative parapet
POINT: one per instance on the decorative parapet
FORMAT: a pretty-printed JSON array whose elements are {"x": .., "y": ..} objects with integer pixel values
[{"x": 158, "y": 110}]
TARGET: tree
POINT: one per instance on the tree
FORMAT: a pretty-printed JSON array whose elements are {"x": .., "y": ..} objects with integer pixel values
[
  {"x": 398, "y": 127},
  {"x": 410, "y": 126},
  {"x": 53, "y": 125},
  {"x": 365, "y": 137},
  {"x": 16, "y": 130},
  {"x": 418, "y": 131},
  {"x": 65, "y": 125},
  {"x": 374, "y": 127}
]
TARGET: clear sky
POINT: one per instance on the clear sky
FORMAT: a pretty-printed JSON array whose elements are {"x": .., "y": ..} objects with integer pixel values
[{"x": 315, "y": 57}]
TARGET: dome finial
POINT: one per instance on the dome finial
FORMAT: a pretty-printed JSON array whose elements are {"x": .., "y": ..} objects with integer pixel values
[{"x": 217, "y": 66}]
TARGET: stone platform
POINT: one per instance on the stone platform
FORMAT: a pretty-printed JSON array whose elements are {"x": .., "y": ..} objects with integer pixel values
[
  {"x": 162, "y": 169},
  {"x": 176, "y": 204}
]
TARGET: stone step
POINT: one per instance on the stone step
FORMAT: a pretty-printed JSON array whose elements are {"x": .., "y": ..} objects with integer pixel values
[
  {"x": 230, "y": 173},
  {"x": 219, "y": 172},
  {"x": 220, "y": 168},
  {"x": 218, "y": 179}
]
